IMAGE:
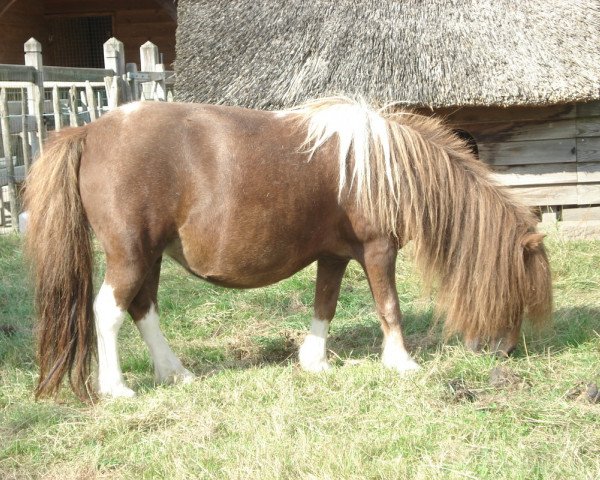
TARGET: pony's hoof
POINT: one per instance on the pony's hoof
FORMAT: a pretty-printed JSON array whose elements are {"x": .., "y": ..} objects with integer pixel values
[
  {"x": 116, "y": 391},
  {"x": 180, "y": 376},
  {"x": 313, "y": 355},
  {"x": 407, "y": 366},
  {"x": 311, "y": 362},
  {"x": 401, "y": 362},
  {"x": 315, "y": 367},
  {"x": 185, "y": 377}
]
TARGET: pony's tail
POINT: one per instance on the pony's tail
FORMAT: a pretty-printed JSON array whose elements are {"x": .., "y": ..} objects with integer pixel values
[{"x": 59, "y": 248}]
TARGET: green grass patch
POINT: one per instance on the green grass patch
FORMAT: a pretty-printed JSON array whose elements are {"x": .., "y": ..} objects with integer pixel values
[{"x": 253, "y": 414}]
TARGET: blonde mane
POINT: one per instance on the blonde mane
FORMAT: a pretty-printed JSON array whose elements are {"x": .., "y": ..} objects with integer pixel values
[{"x": 416, "y": 180}]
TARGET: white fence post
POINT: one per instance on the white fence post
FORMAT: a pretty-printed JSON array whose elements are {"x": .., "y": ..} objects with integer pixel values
[
  {"x": 24, "y": 130},
  {"x": 149, "y": 61},
  {"x": 135, "y": 90},
  {"x": 56, "y": 109},
  {"x": 114, "y": 56},
  {"x": 35, "y": 93},
  {"x": 8, "y": 157},
  {"x": 91, "y": 101},
  {"x": 114, "y": 59}
]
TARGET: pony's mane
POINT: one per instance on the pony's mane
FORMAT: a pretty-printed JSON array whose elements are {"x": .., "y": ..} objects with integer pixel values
[
  {"x": 371, "y": 166},
  {"x": 416, "y": 180}
]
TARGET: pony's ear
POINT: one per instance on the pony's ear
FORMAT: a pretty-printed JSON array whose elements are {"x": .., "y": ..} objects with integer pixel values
[{"x": 532, "y": 241}]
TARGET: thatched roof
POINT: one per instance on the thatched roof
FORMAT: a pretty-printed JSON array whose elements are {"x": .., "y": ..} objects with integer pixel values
[{"x": 266, "y": 53}]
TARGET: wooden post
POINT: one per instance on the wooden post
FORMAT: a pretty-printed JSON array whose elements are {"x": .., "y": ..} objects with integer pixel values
[
  {"x": 35, "y": 93},
  {"x": 99, "y": 103},
  {"x": 24, "y": 130},
  {"x": 114, "y": 56},
  {"x": 73, "y": 106},
  {"x": 91, "y": 101},
  {"x": 115, "y": 92},
  {"x": 107, "y": 86},
  {"x": 149, "y": 58},
  {"x": 127, "y": 93},
  {"x": 83, "y": 100},
  {"x": 135, "y": 91},
  {"x": 161, "y": 86},
  {"x": 112, "y": 91},
  {"x": 2, "y": 216},
  {"x": 10, "y": 167},
  {"x": 56, "y": 109}
]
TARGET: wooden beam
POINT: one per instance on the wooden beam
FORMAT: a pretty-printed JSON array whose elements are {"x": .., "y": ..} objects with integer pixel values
[
  {"x": 528, "y": 152},
  {"x": 8, "y": 158},
  {"x": 462, "y": 115},
  {"x": 588, "y": 149},
  {"x": 169, "y": 6},
  {"x": 516, "y": 131},
  {"x": 580, "y": 214},
  {"x": 542, "y": 174},
  {"x": 550, "y": 195},
  {"x": 588, "y": 127},
  {"x": 589, "y": 109},
  {"x": 5, "y": 5}
]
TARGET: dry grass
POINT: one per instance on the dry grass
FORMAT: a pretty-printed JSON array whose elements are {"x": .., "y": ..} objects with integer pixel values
[{"x": 253, "y": 414}]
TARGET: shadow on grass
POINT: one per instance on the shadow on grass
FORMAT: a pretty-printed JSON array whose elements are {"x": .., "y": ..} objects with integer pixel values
[
  {"x": 571, "y": 327},
  {"x": 346, "y": 342}
]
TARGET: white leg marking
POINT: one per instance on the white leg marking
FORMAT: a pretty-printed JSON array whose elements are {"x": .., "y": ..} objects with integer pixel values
[
  {"x": 109, "y": 318},
  {"x": 395, "y": 356},
  {"x": 313, "y": 352},
  {"x": 167, "y": 367}
]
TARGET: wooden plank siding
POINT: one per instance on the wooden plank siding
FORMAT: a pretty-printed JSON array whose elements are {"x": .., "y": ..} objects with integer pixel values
[
  {"x": 588, "y": 149},
  {"x": 550, "y": 155},
  {"x": 480, "y": 115},
  {"x": 22, "y": 20},
  {"x": 528, "y": 152},
  {"x": 544, "y": 174},
  {"x": 134, "y": 22}
]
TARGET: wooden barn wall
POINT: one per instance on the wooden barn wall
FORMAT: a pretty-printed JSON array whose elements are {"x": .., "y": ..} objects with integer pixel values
[
  {"x": 22, "y": 20},
  {"x": 550, "y": 155},
  {"x": 134, "y": 23}
]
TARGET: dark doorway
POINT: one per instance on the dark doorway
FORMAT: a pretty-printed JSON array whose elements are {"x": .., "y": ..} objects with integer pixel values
[{"x": 78, "y": 41}]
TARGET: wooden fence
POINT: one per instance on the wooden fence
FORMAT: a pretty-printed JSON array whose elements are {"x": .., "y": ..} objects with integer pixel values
[{"x": 35, "y": 99}]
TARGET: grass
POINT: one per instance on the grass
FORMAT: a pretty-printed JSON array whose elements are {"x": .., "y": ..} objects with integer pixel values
[{"x": 253, "y": 414}]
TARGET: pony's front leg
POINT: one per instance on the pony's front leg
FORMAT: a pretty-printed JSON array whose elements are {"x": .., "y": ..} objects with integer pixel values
[
  {"x": 379, "y": 263},
  {"x": 313, "y": 352}
]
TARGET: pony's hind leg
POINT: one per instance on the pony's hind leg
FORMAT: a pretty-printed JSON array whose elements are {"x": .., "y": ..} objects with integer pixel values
[
  {"x": 379, "y": 262},
  {"x": 143, "y": 310},
  {"x": 313, "y": 352},
  {"x": 109, "y": 315},
  {"x": 126, "y": 273}
]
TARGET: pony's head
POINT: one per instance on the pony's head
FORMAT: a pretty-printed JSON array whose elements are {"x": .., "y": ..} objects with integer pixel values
[
  {"x": 531, "y": 299},
  {"x": 414, "y": 179}
]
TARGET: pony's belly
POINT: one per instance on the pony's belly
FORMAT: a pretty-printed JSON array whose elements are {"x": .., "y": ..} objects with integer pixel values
[{"x": 239, "y": 271}]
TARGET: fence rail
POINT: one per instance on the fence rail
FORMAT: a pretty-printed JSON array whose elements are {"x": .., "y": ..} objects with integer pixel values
[{"x": 36, "y": 98}]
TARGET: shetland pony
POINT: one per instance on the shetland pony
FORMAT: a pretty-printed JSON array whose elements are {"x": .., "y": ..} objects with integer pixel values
[{"x": 245, "y": 198}]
